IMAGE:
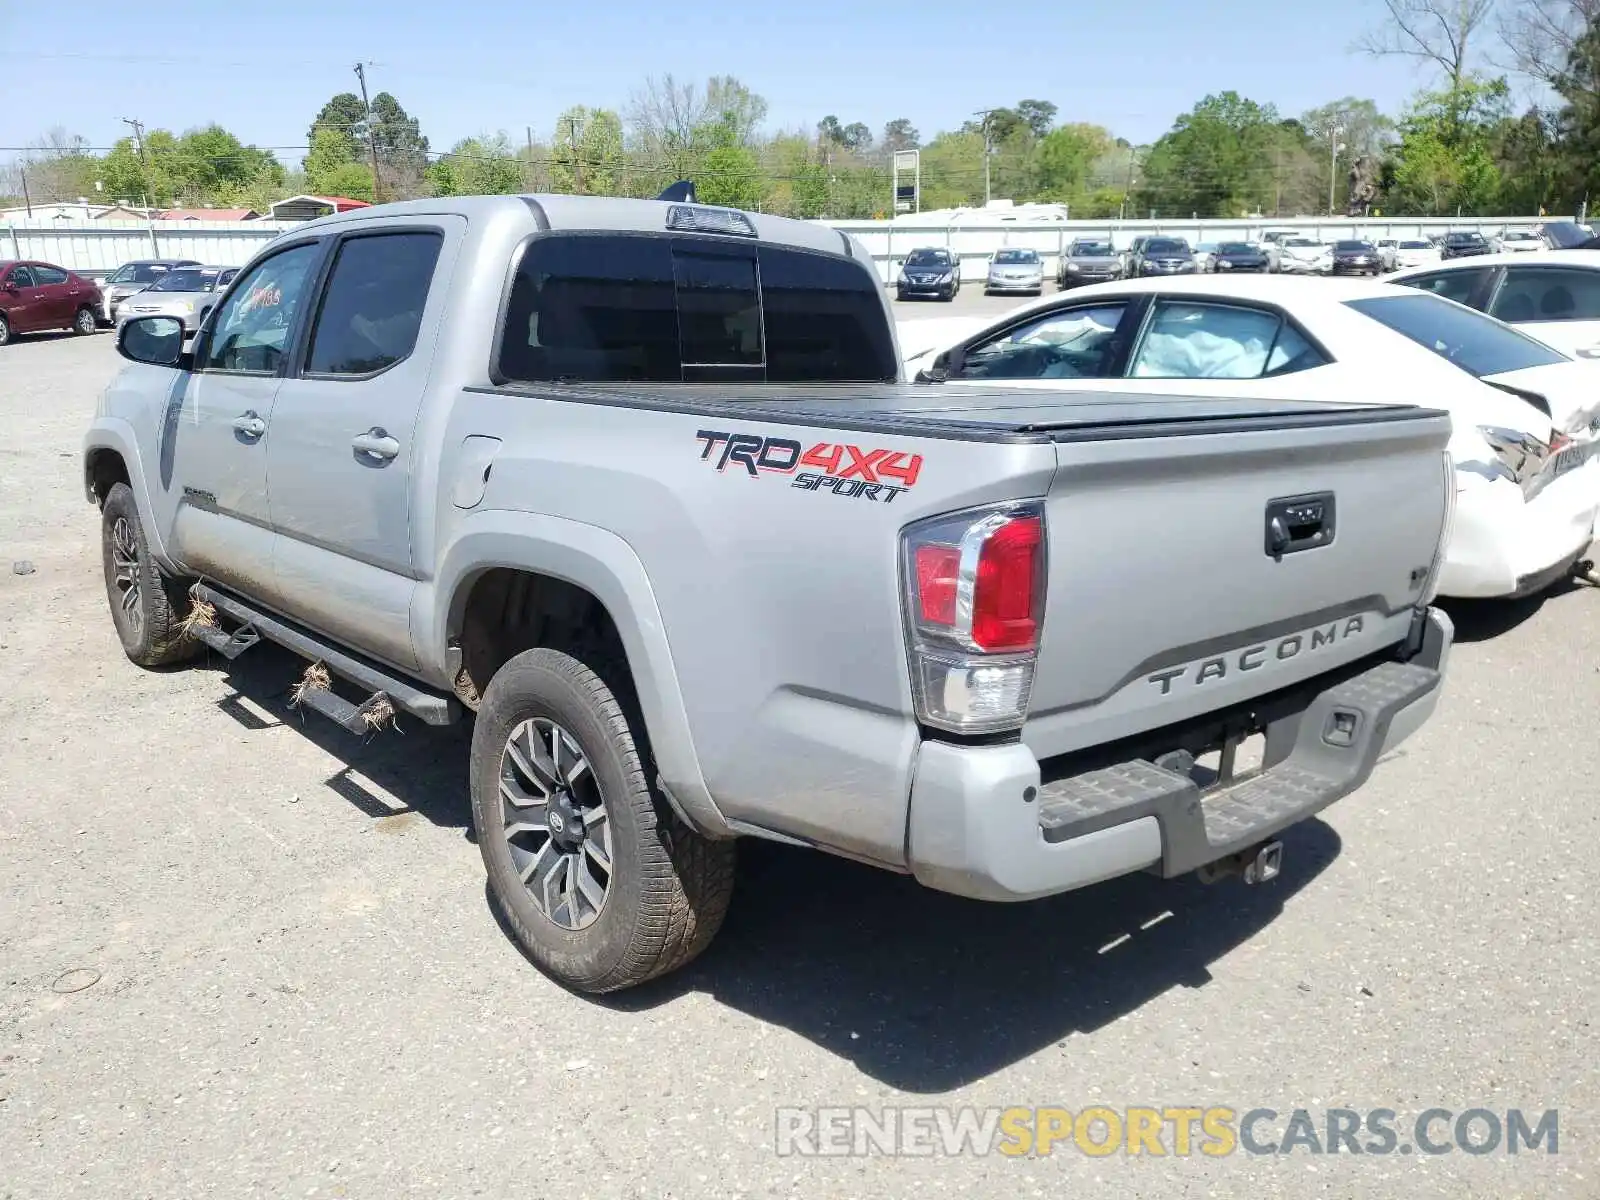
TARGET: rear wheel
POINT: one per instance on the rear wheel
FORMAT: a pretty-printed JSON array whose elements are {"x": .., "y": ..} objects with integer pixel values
[
  {"x": 147, "y": 606},
  {"x": 84, "y": 321},
  {"x": 5, "y": 331},
  {"x": 599, "y": 880}
]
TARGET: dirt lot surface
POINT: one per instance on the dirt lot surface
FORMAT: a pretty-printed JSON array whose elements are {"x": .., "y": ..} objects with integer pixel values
[{"x": 244, "y": 953}]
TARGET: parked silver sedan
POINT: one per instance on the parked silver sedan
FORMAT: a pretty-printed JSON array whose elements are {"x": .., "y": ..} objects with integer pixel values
[
  {"x": 1014, "y": 269},
  {"x": 132, "y": 278},
  {"x": 183, "y": 292}
]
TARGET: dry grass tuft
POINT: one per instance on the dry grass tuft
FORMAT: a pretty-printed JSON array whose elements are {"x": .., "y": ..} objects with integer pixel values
[
  {"x": 202, "y": 615},
  {"x": 316, "y": 679},
  {"x": 380, "y": 714}
]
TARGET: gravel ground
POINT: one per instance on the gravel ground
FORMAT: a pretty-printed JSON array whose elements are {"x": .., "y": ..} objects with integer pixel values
[{"x": 243, "y": 953}]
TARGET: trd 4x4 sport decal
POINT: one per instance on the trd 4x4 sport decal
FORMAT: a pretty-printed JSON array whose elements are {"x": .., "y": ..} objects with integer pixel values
[{"x": 841, "y": 469}]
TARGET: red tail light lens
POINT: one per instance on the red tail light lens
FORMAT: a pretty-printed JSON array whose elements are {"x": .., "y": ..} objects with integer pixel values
[
  {"x": 974, "y": 601},
  {"x": 938, "y": 573},
  {"x": 1005, "y": 617}
]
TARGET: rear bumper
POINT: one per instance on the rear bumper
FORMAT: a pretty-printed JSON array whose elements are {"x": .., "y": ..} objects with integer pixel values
[
  {"x": 1503, "y": 546},
  {"x": 982, "y": 824}
]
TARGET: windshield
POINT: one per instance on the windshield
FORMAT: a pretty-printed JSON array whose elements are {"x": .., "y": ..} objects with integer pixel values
[
  {"x": 1565, "y": 234},
  {"x": 1016, "y": 256},
  {"x": 139, "y": 273},
  {"x": 1477, "y": 344},
  {"x": 1236, "y": 248},
  {"x": 1352, "y": 247},
  {"x": 1519, "y": 235},
  {"x": 1090, "y": 249},
  {"x": 928, "y": 258},
  {"x": 1300, "y": 242},
  {"x": 1166, "y": 246},
  {"x": 1462, "y": 238},
  {"x": 1416, "y": 245},
  {"x": 188, "y": 280}
]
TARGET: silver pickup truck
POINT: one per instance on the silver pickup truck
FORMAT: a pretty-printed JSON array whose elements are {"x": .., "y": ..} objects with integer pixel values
[{"x": 639, "y": 485}]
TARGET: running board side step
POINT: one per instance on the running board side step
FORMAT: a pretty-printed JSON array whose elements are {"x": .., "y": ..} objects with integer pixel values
[
  {"x": 386, "y": 688},
  {"x": 229, "y": 645}
]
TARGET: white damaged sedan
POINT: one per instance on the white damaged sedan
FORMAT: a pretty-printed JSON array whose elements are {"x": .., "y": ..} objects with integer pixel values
[{"x": 1526, "y": 417}]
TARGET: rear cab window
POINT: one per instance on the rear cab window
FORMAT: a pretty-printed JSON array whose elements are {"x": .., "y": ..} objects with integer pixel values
[{"x": 647, "y": 308}]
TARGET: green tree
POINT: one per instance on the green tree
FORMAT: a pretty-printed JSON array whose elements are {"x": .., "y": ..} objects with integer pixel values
[
  {"x": 1578, "y": 119},
  {"x": 402, "y": 148},
  {"x": 1066, "y": 156},
  {"x": 346, "y": 114},
  {"x": 481, "y": 166},
  {"x": 1038, "y": 115},
  {"x": 587, "y": 149},
  {"x": 1444, "y": 163},
  {"x": 952, "y": 170},
  {"x": 900, "y": 134},
  {"x": 1216, "y": 161},
  {"x": 332, "y": 168}
]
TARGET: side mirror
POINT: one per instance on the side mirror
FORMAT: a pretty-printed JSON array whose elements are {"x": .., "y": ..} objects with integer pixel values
[
  {"x": 155, "y": 341},
  {"x": 11, "y": 287},
  {"x": 952, "y": 362}
]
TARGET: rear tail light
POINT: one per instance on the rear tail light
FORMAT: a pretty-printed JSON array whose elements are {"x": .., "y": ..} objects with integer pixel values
[{"x": 975, "y": 586}]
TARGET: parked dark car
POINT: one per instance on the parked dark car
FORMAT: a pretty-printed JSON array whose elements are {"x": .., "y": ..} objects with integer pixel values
[
  {"x": 1463, "y": 244},
  {"x": 1232, "y": 257},
  {"x": 930, "y": 271},
  {"x": 38, "y": 295},
  {"x": 1163, "y": 256},
  {"x": 1088, "y": 260},
  {"x": 1356, "y": 258}
]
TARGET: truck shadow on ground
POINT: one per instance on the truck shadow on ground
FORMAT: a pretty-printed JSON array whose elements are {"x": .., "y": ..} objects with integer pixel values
[
  {"x": 920, "y": 990},
  {"x": 927, "y": 992}
]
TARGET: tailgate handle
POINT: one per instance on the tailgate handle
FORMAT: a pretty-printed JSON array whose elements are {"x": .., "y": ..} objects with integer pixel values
[{"x": 1296, "y": 523}]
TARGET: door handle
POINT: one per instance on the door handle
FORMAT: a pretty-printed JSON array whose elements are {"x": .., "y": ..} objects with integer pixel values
[
  {"x": 249, "y": 424},
  {"x": 376, "y": 443}
]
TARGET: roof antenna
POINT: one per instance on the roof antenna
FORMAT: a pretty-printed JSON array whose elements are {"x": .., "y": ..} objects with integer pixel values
[{"x": 681, "y": 192}]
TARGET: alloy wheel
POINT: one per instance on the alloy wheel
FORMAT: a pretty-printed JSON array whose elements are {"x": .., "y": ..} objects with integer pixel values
[
  {"x": 128, "y": 574},
  {"x": 555, "y": 823}
]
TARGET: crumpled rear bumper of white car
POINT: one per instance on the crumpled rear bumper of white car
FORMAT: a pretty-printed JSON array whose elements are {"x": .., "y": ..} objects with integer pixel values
[{"x": 1502, "y": 545}]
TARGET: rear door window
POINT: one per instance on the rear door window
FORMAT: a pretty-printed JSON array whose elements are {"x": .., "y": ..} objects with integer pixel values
[
  {"x": 610, "y": 308},
  {"x": 1548, "y": 294},
  {"x": 49, "y": 276},
  {"x": 1452, "y": 285},
  {"x": 372, "y": 307}
]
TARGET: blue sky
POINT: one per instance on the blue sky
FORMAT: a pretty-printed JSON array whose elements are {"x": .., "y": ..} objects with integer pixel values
[{"x": 471, "y": 66}]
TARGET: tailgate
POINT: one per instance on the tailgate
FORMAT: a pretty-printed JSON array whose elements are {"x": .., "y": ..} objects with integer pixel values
[{"x": 1163, "y": 601}]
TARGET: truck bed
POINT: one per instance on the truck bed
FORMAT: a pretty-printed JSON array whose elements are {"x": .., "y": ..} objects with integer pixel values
[{"x": 976, "y": 414}]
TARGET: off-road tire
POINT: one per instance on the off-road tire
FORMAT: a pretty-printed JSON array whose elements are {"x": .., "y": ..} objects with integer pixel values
[
  {"x": 157, "y": 637},
  {"x": 670, "y": 888},
  {"x": 85, "y": 322}
]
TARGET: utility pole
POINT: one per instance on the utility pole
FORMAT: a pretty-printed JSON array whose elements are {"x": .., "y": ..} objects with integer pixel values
[
  {"x": 1336, "y": 145},
  {"x": 577, "y": 165},
  {"x": 27, "y": 201},
  {"x": 144, "y": 167},
  {"x": 372, "y": 134},
  {"x": 527, "y": 171},
  {"x": 1133, "y": 161},
  {"x": 1277, "y": 181},
  {"x": 988, "y": 149}
]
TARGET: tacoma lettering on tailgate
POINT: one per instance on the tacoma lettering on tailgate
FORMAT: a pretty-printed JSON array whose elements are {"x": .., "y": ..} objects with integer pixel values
[
  {"x": 838, "y": 468},
  {"x": 1253, "y": 658}
]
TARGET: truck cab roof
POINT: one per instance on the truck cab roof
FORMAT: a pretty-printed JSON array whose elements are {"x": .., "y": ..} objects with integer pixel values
[{"x": 565, "y": 213}]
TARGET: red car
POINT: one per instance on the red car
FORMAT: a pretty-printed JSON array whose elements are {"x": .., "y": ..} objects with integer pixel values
[{"x": 36, "y": 295}]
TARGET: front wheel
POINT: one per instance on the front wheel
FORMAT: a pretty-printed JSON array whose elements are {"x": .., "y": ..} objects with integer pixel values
[
  {"x": 599, "y": 880},
  {"x": 148, "y": 607},
  {"x": 5, "y": 331}
]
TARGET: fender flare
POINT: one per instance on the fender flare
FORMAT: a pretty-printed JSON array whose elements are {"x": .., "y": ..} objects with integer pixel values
[
  {"x": 116, "y": 435},
  {"x": 604, "y": 565}
]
